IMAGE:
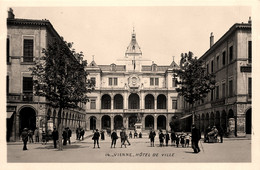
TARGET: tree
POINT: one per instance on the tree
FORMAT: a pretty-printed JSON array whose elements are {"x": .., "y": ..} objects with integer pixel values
[
  {"x": 60, "y": 77},
  {"x": 195, "y": 81}
]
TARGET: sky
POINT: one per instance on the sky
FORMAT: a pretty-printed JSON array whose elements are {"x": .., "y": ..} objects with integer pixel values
[{"x": 161, "y": 31}]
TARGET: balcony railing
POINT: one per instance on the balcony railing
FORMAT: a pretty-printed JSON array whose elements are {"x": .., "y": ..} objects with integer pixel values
[{"x": 27, "y": 97}]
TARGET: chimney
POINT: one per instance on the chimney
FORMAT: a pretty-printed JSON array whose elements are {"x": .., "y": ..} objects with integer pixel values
[
  {"x": 249, "y": 20},
  {"x": 10, "y": 14},
  {"x": 211, "y": 39}
]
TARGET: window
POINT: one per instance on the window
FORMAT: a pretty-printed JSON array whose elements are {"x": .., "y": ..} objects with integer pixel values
[
  {"x": 112, "y": 81},
  {"x": 115, "y": 81},
  {"x": 250, "y": 87},
  {"x": 207, "y": 68},
  {"x": 151, "y": 81},
  {"x": 217, "y": 62},
  {"x": 93, "y": 80},
  {"x": 92, "y": 104},
  {"x": 212, "y": 95},
  {"x": 223, "y": 90},
  {"x": 174, "y": 104},
  {"x": 154, "y": 81},
  {"x": 7, "y": 84},
  {"x": 217, "y": 92},
  {"x": 27, "y": 84},
  {"x": 7, "y": 50},
  {"x": 230, "y": 53},
  {"x": 249, "y": 51},
  {"x": 230, "y": 87},
  {"x": 224, "y": 58},
  {"x": 174, "y": 82},
  {"x": 28, "y": 50},
  {"x": 212, "y": 66}
]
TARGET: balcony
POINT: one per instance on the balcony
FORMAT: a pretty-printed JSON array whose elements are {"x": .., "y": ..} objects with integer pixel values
[
  {"x": 27, "y": 97},
  {"x": 11, "y": 97}
]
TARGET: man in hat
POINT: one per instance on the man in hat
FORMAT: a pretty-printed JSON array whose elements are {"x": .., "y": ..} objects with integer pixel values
[
  {"x": 24, "y": 136},
  {"x": 55, "y": 136},
  {"x": 96, "y": 138},
  {"x": 123, "y": 137},
  {"x": 195, "y": 138}
]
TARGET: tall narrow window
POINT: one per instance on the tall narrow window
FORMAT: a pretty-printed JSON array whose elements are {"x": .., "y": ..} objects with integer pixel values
[
  {"x": 230, "y": 53},
  {"x": 174, "y": 104},
  {"x": 28, "y": 50},
  {"x": 223, "y": 90},
  {"x": 230, "y": 87},
  {"x": 93, "y": 80},
  {"x": 217, "y": 92},
  {"x": 212, "y": 66},
  {"x": 7, "y": 50},
  {"x": 207, "y": 68},
  {"x": 249, "y": 51},
  {"x": 157, "y": 81},
  {"x": 217, "y": 62},
  {"x": 212, "y": 95},
  {"x": 115, "y": 81},
  {"x": 151, "y": 81},
  {"x": 27, "y": 84},
  {"x": 224, "y": 58},
  {"x": 250, "y": 87},
  {"x": 92, "y": 104},
  {"x": 7, "y": 84},
  {"x": 174, "y": 80},
  {"x": 110, "y": 81}
]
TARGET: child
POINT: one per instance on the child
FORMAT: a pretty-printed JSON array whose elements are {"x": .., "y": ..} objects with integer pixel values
[
  {"x": 187, "y": 140},
  {"x": 44, "y": 140}
]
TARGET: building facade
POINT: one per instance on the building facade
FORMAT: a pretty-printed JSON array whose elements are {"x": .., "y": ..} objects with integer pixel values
[
  {"x": 132, "y": 92},
  {"x": 228, "y": 106},
  {"x": 25, "y": 40}
]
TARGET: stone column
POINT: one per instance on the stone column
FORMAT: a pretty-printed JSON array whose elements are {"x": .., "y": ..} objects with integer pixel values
[
  {"x": 155, "y": 103},
  {"x": 112, "y": 104},
  {"x": 241, "y": 125},
  {"x": 155, "y": 122},
  {"x": 112, "y": 122}
]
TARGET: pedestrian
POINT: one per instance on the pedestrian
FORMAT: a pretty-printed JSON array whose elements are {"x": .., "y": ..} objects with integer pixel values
[
  {"x": 167, "y": 138},
  {"x": 96, "y": 138},
  {"x": 82, "y": 132},
  {"x": 123, "y": 137},
  {"x": 187, "y": 140},
  {"x": 135, "y": 134},
  {"x": 69, "y": 134},
  {"x": 161, "y": 138},
  {"x": 173, "y": 137},
  {"x": 126, "y": 139},
  {"x": 44, "y": 137},
  {"x": 24, "y": 136},
  {"x": 206, "y": 137},
  {"x": 102, "y": 135},
  {"x": 182, "y": 138},
  {"x": 130, "y": 134},
  {"x": 152, "y": 136},
  {"x": 221, "y": 133},
  {"x": 114, "y": 137},
  {"x": 55, "y": 136},
  {"x": 177, "y": 140},
  {"x": 30, "y": 135},
  {"x": 36, "y": 134},
  {"x": 65, "y": 136},
  {"x": 78, "y": 133},
  {"x": 195, "y": 137},
  {"x": 140, "y": 135}
]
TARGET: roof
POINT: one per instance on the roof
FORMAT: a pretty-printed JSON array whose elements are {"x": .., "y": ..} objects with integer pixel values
[{"x": 225, "y": 36}]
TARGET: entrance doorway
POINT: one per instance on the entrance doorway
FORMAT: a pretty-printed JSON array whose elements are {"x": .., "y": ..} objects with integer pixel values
[
  {"x": 248, "y": 121},
  {"x": 106, "y": 122},
  {"x": 161, "y": 122},
  {"x": 131, "y": 122},
  {"x": 92, "y": 123},
  {"x": 149, "y": 122},
  {"x": 118, "y": 122},
  {"x": 27, "y": 119}
]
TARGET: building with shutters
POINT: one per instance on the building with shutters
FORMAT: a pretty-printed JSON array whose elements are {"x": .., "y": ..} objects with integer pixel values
[
  {"x": 138, "y": 90},
  {"x": 25, "y": 40},
  {"x": 229, "y": 105}
]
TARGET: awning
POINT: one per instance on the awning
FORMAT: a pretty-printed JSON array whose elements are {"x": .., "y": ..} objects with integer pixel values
[
  {"x": 186, "y": 116},
  {"x": 9, "y": 115}
]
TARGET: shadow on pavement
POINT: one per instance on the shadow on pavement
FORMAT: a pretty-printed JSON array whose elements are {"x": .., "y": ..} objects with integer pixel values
[{"x": 64, "y": 147}]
